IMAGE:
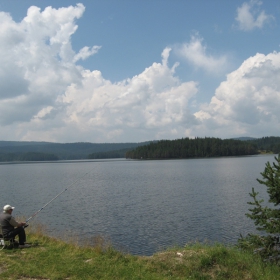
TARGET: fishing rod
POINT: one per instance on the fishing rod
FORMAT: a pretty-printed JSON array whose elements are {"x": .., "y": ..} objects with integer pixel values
[{"x": 37, "y": 212}]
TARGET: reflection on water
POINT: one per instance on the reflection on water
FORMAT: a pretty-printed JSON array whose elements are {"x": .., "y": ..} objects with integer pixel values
[{"x": 142, "y": 206}]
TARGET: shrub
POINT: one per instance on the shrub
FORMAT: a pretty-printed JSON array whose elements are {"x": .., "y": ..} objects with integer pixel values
[{"x": 266, "y": 217}]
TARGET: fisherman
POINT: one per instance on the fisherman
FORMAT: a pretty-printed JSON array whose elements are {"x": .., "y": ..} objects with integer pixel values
[{"x": 10, "y": 227}]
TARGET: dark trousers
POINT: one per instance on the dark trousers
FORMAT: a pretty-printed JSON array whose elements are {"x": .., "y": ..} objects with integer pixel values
[{"x": 17, "y": 231}]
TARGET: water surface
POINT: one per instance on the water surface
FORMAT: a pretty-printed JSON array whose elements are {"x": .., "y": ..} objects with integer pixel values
[{"x": 142, "y": 206}]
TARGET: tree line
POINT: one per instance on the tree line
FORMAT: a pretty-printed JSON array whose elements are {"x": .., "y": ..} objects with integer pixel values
[
  {"x": 110, "y": 154},
  {"x": 193, "y": 148},
  {"x": 271, "y": 144},
  {"x": 31, "y": 156},
  {"x": 180, "y": 148},
  {"x": 65, "y": 151}
]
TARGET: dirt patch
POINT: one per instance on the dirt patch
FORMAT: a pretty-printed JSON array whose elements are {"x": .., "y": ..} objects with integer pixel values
[
  {"x": 2, "y": 268},
  {"x": 26, "y": 278},
  {"x": 179, "y": 255}
]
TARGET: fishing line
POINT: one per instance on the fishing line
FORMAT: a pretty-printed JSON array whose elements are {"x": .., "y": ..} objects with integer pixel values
[{"x": 37, "y": 212}]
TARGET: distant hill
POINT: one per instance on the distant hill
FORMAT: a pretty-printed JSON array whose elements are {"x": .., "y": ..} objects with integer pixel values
[
  {"x": 21, "y": 143},
  {"x": 110, "y": 154},
  {"x": 43, "y": 151},
  {"x": 15, "y": 150},
  {"x": 268, "y": 144}
]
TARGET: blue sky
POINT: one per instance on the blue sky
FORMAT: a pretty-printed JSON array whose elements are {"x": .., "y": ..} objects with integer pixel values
[{"x": 131, "y": 70}]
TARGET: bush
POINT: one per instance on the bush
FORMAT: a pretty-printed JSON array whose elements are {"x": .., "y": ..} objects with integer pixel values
[{"x": 266, "y": 217}]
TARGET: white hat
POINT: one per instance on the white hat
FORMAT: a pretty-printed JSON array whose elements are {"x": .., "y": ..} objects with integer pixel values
[{"x": 8, "y": 207}]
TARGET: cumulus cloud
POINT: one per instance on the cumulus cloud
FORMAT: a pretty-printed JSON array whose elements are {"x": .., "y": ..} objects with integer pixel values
[
  {"x": 247, "y": 103},
  {"x": 151, "y": 105},
  {"x": 47, "y": 96},
  {"x": 196, "y": 54},
  {"x": 153, "y": 101},
  {"x": 250, "y": 17},
  {"x": 37, "y": 61}
]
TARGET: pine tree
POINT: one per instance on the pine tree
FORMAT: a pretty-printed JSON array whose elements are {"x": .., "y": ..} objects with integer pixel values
[{"x": 266, "y": 217}]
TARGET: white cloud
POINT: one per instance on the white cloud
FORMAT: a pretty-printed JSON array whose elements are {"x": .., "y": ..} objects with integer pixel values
[
  {"x": 37, "y": 61},
  {"x": 153, "y": 101},
  {"x": 86, "y": 52},
  {"x": 46, "y": 95},
  {"x": 248, "y": 102},
  {"x": 249, "y": 16},
  {"x": 196, "y": 53}
]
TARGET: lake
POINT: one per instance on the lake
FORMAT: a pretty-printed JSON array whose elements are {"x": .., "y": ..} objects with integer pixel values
[{"x": 141, "y": 206}]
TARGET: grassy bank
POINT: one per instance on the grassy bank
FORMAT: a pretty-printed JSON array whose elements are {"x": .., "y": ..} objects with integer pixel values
[{"x": 50, "y": 258}]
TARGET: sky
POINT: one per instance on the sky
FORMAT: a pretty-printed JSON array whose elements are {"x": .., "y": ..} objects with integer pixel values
[{"x": 115, "y": 71}]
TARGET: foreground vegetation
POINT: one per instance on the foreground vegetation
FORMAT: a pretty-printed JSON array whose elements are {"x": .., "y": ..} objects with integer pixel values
[
  {"x": 51, "y": 258},
  {"x": 266, "y": 215}
]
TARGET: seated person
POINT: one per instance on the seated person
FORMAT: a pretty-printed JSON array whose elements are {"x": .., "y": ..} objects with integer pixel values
[{"x": 10, "y": 227}]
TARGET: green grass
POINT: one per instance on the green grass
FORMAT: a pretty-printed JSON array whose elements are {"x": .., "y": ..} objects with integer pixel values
[{"x": 51, "y": 258}]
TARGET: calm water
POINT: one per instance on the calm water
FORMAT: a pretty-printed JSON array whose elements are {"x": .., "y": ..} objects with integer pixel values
[{"x": 141, "y": 206}]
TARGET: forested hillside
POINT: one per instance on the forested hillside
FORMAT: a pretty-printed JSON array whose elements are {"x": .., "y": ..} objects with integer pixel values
[
  {"x": 110, "y": 154},
  {"x": 17, "y": 151},
  {"x": 193, "y": 148},
  {"x": 180, "y": 148},
  {"x": 30, "y": 156},
  {"x": 268, "y": 144}
]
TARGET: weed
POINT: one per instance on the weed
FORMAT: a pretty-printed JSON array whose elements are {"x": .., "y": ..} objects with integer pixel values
[{"x": 96, "y": 258}]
